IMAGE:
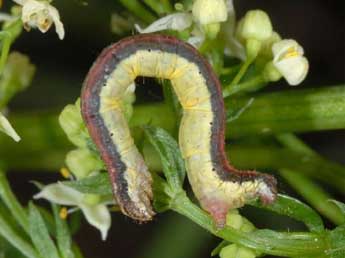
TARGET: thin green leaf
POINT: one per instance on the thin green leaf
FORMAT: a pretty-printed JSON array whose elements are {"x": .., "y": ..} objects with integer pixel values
[
  {"x": 295, "y": 209},
  {"x": 12, "y": 203},
  {"x": 17, "y": 241},
  {"x": 97, "y": 184},
  {"x": 168, "y": 150},
  {"x": 63, "y": 235},
  {"x": 39, "y": 234},
  {"x": 340, "y": 205}
]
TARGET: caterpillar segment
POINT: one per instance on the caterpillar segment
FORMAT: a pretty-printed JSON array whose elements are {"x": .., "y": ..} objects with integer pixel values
[{"x": 217, "y": 185}]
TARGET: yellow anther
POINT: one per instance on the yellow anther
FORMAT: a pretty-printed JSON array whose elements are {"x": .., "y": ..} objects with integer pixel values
[
  {"x": 65, "y": 172},
  {"x": 291, "y": 52},
  {"x": 63, "y": 213}
]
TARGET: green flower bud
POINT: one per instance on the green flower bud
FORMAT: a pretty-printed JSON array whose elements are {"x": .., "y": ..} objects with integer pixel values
[
  {"x": 234, "y": 219},
  {"x": 228, "y": 251},
  {"x": 235, "y": 251},
  {"x": 81, "y": 162},
  {"x": 266, "y": 49},
  {"x": 271, "y": 73},
  {"x": 254, "y": 25},
  {"x": 17, "y": 76},
  {"x": 73, "y": 125},
  {"x": 210, "y": 11}
]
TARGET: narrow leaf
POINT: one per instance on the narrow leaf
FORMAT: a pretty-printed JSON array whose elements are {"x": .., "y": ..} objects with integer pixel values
[
  {"x": 39, "y": 234},
  {"x": 63, "y": 235},
  {"x": 14, "y": 239},
  {"x": 97, "y": 184},
  {"x": 167, "y": 148},
  {"x": 340, "y": 205},
  {"x": 286, "y": 205},
  {"x": 12, "y": 203}
]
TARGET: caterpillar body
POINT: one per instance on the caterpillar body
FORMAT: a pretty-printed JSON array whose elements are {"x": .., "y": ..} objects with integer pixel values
[{"x": 217, "y": 185}]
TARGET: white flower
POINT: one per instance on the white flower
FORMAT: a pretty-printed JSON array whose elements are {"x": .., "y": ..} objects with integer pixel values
[
  {"x": 210, "y": 11},
  {"x": 41, "y": 15},
  {"x": 177, "y": 21},
  {"x": 96, "y": 213},
  {"x": 7, "y": 128},
  {"x": 289, "y": 60}
]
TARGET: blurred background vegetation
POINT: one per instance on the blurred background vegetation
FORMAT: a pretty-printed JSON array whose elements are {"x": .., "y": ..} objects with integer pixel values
[{"x": 62, "y": 65}]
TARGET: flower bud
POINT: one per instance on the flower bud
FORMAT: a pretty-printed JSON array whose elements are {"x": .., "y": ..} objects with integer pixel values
[
  {"x": 210, "y": 11},
  {"x": 266, "y": 49},
  {"x": 81, "y": 162},
  {"x": 73, "y": 125},
  {"x": 289, "y": 60},
  {"x": 254, "y": 25},
  {"x": 271, "y": 73},
  {"x": 234, "y": 250}
]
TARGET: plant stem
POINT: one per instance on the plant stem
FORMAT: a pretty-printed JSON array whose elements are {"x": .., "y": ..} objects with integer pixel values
[
  {"x": 314, "y": 195},
  {"x": 288, "y": 111},
  {"x": 266, "y": 241},
  {"x": 228, "y": 90},
  {"x": 251, "y": 85},
  {"x": 138, "y": 10},
  {"x": 160, "y": 7}
]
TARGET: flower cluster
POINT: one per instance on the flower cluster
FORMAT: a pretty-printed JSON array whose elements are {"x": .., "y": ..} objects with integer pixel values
[
  {"x": 252, "y": 37},
  {"x": 82, "y": 162}
]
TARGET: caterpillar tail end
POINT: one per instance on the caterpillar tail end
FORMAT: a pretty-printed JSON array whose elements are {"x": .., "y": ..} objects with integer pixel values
[{"x": 261, "y": 186}]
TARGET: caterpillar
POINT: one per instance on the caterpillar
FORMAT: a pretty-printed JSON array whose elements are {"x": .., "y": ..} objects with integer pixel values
[{"x": 217, "y": 185}]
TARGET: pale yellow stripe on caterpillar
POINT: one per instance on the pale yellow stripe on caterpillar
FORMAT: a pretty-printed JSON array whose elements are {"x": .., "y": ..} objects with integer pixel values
[{"x": 216, "y": 184}]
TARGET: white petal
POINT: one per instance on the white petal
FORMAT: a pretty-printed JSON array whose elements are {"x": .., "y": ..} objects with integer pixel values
[
  {"x": 282, "y": 47},
  {"x": 58, "y": 24},
  {"x": 61, "y": 194},
  {"x": 99, "y": 217},
  {"x": 176, "y": 21},
  {"x": 294, "y": 69},
  {"x": 196, "y": 41},
  {"x": 7, "y": 128}
]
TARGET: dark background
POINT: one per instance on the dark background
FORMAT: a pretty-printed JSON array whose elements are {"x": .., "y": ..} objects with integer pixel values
[{"x": 317, "y": 25}]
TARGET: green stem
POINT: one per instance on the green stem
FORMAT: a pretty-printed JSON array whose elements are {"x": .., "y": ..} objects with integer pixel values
[
  {"x": 244, "y": 67},
  {"x": 266, "y": 241},
  {"x": 288, "y": 111},
  {"x": 6, "y": 44},
  {"x": 139, "y": 10},
  {"x": 160, "y": 7},
  {"x": 12, "y": 203},
  {"x": 247, "y": 86},
  {"x": 314, "y": 195}
]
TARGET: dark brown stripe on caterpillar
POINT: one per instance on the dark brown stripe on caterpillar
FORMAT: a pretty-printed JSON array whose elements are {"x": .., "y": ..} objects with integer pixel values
[{"x": 217, "y": 185}]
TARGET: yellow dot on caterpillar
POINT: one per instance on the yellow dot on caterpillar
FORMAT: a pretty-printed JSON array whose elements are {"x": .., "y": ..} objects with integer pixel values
[
  {"x": 63, "y": 213},
  {"x": 65, "y": 172}
]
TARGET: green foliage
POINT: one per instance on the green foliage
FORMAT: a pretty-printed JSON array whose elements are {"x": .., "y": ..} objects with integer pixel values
[{"x": 35, "y": 232}]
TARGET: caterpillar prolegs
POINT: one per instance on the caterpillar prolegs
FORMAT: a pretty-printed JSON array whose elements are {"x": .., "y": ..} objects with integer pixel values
[{"x": 217, "y": 185}]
